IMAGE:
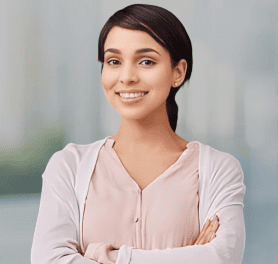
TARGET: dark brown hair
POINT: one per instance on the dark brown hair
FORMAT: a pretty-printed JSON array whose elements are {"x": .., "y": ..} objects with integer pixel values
[{"x": 166, "y": 29}]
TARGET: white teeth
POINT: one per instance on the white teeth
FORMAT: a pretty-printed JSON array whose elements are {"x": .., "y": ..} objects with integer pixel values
[{"x": 131, "y": 95}]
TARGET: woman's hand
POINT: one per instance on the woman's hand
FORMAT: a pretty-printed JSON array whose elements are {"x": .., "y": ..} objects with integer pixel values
[
  {"x": 113, "y": 254},
  {"x": 208, "y": 232},
  {"x": 106, "y": 254}
]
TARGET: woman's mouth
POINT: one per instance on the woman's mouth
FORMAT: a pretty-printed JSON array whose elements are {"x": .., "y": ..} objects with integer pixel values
[{"x": 132, "y": 95}]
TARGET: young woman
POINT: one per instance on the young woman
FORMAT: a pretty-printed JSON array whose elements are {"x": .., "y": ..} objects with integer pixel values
[{"x": 144, "y": 195}]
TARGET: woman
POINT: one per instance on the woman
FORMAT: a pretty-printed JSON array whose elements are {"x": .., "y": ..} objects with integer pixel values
[{"x": 144, "y": 195}]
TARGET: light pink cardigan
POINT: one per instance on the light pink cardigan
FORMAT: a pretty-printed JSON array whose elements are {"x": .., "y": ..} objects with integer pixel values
[{"x": 65, "y": 186}]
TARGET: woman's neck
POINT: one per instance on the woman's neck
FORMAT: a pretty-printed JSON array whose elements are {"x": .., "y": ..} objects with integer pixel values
[{"x": 152, "y": 133}]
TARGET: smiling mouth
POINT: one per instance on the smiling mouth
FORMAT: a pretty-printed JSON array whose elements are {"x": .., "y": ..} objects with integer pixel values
[{"x": 132, "y": 95}]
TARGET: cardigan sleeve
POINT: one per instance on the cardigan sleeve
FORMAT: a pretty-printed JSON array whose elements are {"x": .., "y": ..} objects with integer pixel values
[
  {"x": 56, "y": 233},
  {"x": 224, "y": 198}
]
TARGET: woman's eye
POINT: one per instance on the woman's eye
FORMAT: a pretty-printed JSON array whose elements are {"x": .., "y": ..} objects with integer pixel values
[
  {"x": 148, "y": 62},
  {"x": 113, "y": 62}
]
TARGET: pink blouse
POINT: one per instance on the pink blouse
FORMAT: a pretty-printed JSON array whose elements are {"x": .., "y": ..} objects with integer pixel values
[{"x": 162, "y": 215}]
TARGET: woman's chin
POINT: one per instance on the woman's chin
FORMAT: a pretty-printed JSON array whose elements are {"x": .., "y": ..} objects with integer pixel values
[
  {"x": 137, "y": 115},
  {"x": 133, "y": 116}
]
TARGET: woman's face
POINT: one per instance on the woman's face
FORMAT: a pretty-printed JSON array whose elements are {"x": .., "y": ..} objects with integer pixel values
[{"x": 134, "y": 63}]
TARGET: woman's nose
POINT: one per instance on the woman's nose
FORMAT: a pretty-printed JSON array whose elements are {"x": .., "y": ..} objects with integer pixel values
[{"x": 128, "y": 74}]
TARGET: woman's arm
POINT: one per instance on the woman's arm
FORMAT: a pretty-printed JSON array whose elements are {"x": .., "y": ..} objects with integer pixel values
[
  {"x": 227, "y": 247},
  {"x": 107, "y": 254},
  {"x": 56, "y": 233}
]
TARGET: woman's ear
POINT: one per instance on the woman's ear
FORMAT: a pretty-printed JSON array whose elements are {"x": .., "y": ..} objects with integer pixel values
[{"x": 179, "y": 73}]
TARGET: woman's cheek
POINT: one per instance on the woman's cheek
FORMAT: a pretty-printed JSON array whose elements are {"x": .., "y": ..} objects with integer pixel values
[
  {"x": 104, "y": 78},
  {"x": 108, "y": 80},
  {"x": 161, "y": 75}
]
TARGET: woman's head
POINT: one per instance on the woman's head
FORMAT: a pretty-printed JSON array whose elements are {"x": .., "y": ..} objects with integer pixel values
[{"x": 167, "y": 31}]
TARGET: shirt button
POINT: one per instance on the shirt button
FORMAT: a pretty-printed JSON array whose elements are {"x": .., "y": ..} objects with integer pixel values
[{"x": 136, "y": 220}]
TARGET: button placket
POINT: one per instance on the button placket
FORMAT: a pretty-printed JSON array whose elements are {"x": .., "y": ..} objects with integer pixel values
[
  {"x": 143, "y": 229},
  {"x": 140, "y": 218},
  {"x": 137, "y": 221}
]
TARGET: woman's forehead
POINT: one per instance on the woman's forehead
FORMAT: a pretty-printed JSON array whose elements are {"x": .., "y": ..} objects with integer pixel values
[{"x": 129, "y": 39}]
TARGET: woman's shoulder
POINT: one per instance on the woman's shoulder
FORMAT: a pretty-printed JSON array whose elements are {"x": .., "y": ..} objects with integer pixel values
[
  {"x": 217, "y": 156},
  {"x": 67, "y": 161},
  {"x": 221, "y": 165},
  {"x": 219, "y": 162},
  {"x": 80, "y": 151}
]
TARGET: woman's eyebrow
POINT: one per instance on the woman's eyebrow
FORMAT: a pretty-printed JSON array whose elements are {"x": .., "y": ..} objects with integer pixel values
[{"x": 139, "y": 51}]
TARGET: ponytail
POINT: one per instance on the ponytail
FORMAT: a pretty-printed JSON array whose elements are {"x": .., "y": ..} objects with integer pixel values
[{"x": 172, "y": 108}]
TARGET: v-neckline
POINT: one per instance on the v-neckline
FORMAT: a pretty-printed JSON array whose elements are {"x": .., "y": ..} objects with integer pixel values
[{"x": 185, "y": 152}]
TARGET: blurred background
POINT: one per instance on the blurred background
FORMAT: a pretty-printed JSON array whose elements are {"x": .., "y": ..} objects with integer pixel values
[{"x": 51, "y": 95}]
